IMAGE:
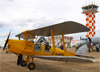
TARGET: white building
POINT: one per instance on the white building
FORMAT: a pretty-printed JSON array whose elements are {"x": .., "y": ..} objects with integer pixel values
[{"x": 58, "y": 40}]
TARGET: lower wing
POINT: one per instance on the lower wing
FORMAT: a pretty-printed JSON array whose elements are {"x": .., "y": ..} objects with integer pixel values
[{"x": 65, "y": 58}]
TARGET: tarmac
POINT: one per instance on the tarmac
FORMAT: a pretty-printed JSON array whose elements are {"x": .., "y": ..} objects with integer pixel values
[{"x": 8, "y": 64}]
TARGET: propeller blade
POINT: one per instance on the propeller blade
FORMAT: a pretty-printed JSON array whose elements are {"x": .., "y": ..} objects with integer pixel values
[
  {"x": 89, "y": 39},
  {"x": 89, "y": 43},
  {"x": 6, "y": 41}
]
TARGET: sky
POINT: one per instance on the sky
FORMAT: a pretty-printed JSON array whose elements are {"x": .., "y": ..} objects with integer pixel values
[{"x": 21, "y": 15}]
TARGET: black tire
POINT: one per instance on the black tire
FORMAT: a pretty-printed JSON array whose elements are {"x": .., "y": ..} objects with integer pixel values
[
  {"x": 31, "y": 66},
  {"x": 6, "y": 51},
  {"x": 23, "y": 63}
]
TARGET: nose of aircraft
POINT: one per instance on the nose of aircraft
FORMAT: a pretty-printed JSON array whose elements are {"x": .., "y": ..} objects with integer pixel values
[
  {"x": 79, "y": 43},
  {"x": 6, "y": 41},
  {"x": 73, "y": 44}
]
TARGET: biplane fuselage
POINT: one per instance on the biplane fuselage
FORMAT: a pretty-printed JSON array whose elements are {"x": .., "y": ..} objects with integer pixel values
[{"x": 29, "y": 48}]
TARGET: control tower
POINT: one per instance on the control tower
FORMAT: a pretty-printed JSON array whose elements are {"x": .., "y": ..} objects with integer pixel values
[{"x": 90, "y": 11}]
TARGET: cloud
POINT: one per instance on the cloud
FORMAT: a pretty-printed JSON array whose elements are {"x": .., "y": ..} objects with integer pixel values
[
  {"x": 3, "y": 24},
  {"x": 20, "y": 15},
  {"x": 11, "y": 0},
  {"x": 30, "y": 23},
  {"x": 5, "y": 34}
]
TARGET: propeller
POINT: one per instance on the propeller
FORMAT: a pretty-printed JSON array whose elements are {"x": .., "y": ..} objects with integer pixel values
[
  {"x": 80, "y": 37},
  {"x": 6, "y": 41},
  {"x": 89, "y": 45},
  {"x": 89, "y": 39}
]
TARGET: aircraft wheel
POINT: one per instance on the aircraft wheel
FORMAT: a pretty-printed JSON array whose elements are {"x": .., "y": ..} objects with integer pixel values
[
  {"x": 31, "y": 66},
  {"x": 6, "y": 51},
  {"x": 23, "y": 63}
]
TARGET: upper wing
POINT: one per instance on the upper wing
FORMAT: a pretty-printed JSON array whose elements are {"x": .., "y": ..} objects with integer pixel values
[
  {"x": 58, "y": 29},
  {"x": 64, "y": 58}
]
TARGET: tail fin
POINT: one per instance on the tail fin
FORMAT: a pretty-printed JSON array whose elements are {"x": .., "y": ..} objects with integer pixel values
[{"x": 82, "y": 50}]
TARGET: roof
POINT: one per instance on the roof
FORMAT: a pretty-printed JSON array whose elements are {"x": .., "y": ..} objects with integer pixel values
[
  {"x": 65, "y": 37},
  {"x": 90, "y": 5},
  {"x": 67, "y": 27}
]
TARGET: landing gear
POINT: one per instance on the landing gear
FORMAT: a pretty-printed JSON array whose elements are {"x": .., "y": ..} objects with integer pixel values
[
  {"x": 31, "y": 66},
  {"x": 23, "y": 63}
]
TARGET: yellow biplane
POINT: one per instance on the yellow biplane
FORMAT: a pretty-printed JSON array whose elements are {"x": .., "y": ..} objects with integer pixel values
[{"x": 30, "y": 49}]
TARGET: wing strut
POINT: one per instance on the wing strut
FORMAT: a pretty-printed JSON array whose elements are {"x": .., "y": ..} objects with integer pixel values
[
  {"x": 19, "y": 38},
  {"x": 36, "y": 39},
  {"x": 53, "y": 40},
  {"x": 63, "y": 43}
]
